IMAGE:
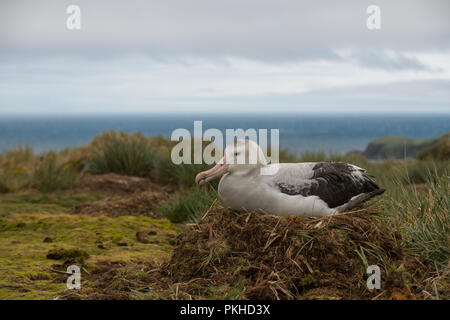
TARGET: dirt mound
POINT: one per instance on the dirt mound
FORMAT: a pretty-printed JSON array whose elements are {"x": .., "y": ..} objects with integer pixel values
[
  {"x": 294, "y": 258},
  {"x": 112, "y": 183},
  {"x": 136, "y": 204}
]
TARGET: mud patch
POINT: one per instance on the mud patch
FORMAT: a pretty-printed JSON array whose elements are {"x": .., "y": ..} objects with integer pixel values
[{"x": 136, "y": 204}]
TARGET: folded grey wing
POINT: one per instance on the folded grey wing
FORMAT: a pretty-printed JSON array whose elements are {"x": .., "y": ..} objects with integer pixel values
[{"x": 333, "y": 182}]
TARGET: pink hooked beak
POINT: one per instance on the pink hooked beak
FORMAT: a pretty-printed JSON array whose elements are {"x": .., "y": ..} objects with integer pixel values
[{"x": 217, "y": 171}]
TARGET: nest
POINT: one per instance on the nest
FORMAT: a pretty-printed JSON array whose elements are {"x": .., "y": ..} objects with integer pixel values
[
  {"x": 136, "y": 204},
  {"x": 112, "y": 183},
  {"x": 293, "y": 257},
  {"x": 126, "y": 196}
]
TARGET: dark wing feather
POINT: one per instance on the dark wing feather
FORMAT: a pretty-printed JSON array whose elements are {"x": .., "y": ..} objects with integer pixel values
[{"x": 333, "y": 182}]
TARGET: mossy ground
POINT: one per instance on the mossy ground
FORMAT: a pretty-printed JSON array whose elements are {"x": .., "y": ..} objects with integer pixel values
[{"x": 31, "y": 225}]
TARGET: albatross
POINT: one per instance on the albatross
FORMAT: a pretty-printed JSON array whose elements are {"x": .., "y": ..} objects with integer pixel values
[{"x": 301, "y": 189}]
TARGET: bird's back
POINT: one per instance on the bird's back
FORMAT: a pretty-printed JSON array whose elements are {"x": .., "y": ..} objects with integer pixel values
[{"x": 335, "y": 183}]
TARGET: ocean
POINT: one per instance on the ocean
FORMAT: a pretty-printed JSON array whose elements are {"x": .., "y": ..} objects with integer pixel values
[{"x": 298, "y": 133}]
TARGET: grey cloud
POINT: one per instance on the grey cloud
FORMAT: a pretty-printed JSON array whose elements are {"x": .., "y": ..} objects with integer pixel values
[
  {"x": 258, "y": 29},
  {"x": 105, "y": 66},
  {"x": 394, "y": 61},
  {"x": 409, "y": 90},
  {"x": 402, "y": 96}
]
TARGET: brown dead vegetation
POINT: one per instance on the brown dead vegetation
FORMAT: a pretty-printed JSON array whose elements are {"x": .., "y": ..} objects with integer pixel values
[
  {"x": 137, "y": 204},
  {"x": 132, "y": 196},
  {"x": 116, "y": 184}
]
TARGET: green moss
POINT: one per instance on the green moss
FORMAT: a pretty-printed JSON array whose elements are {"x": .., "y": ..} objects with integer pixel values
[
  {"x": 35, "y": 202},
  {"x": 24, "y": 266}
]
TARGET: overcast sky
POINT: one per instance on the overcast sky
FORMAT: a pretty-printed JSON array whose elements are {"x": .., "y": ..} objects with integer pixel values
[{"x": 224, "y": 56}]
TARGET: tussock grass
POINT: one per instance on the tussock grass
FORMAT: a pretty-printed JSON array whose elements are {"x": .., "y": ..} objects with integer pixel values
[
  {"x": 110, "y": 152},
  {"x": 49, "y": 176},
  {"x": 12, "y": 180},
  {"x": 165, "y": 171},
  {"x": 21, "y": 169},
  {"x": 22, "y": 156},
  {"x": 420, "y": 214},
  {"x": 190, "y": 205},
  {"x": 422, "y": 217},
  {"x": 440, "y": 151},
  {"x": 416, "y": 172},
  {"x": 14, "y": 169},
  {"x": 182, "y": 174},
  {"x": 123, "y": 154}
]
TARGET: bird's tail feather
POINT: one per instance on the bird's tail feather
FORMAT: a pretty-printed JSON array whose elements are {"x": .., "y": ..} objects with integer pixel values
[{"x": 360, "y": 199}]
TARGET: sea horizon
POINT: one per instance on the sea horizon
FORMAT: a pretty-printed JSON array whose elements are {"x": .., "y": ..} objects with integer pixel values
[{"x": 335, "y": 133}]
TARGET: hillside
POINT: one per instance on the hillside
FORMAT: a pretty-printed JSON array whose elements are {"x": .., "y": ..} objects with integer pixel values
[{"x": 399, "y": 147}]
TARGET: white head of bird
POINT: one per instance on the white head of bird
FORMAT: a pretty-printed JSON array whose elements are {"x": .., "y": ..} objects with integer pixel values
[{"x": 239, "y": 158}]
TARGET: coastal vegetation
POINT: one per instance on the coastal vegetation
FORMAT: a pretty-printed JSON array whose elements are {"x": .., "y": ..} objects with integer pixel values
[
  {"x": 399, "y": 147},
  {"x": 116, "y": 206}
]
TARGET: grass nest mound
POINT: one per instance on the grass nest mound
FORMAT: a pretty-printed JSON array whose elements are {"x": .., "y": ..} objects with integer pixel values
[
  {"x": 295, "y": 258},
  {"x": 136, "y": 204},
  {"x": 230, "y": 255},
  {"x": 113, "y": 183}
]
